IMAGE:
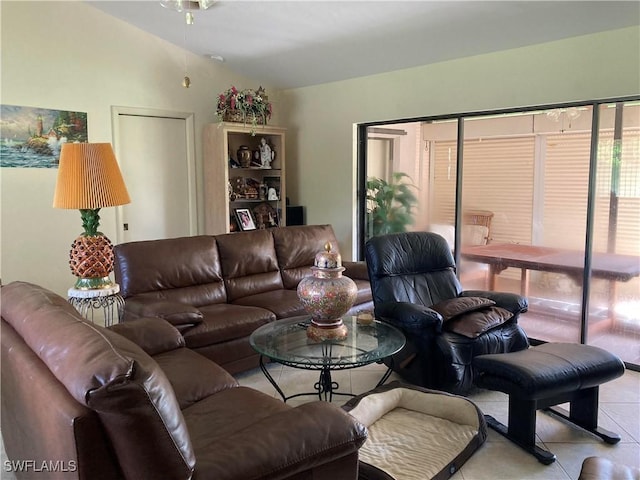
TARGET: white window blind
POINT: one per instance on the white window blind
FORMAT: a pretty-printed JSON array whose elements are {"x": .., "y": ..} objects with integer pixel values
[
  {"x": 565, "y": 187},
  {"x": 443, "y": 186},
  {"x": 498, "y": 176},
  {"x": 566, "y": 181}
]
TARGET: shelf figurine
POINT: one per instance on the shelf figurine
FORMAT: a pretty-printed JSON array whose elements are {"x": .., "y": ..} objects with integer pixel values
[{"x": 266, "y": 154}]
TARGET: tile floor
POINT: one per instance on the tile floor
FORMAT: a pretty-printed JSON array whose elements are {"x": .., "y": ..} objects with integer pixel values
[{"x": 498, "y": 459}]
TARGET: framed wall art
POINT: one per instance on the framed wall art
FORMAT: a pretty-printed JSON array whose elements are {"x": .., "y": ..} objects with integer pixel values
[{"x": 31, "y": 137}]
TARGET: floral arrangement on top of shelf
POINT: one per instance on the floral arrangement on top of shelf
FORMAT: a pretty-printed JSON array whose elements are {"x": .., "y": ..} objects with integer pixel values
[{"x": 244, "y": 106}]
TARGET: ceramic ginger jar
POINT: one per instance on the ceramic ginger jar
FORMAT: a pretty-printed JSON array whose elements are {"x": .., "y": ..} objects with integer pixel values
[
  {"x": 327, "y": 296},
  {"x": 244, "y": 156}
]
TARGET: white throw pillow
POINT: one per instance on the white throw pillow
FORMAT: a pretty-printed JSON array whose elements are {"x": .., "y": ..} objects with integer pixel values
[{"x": 446, "y": 231}]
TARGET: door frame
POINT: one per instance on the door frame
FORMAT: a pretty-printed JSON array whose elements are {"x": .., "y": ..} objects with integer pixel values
[{"x": 188, "y": 117}]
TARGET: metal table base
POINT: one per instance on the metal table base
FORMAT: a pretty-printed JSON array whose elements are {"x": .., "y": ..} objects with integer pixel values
[{"x": 325, "y": 388}]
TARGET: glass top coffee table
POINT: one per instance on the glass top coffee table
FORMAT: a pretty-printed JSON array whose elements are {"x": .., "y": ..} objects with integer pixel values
[{"x": 285, "y": 341}]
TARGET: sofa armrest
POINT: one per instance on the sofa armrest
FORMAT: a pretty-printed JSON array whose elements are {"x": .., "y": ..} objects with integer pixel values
[
  {"x": 288, "y": 442},
  {"x": 153, "y": 335},
  {"x": 175, "y": 313},
  {"x": 410, "y": 317},
  {"x": 513, "y": 302},
  {"x": 356, "y": 270}
]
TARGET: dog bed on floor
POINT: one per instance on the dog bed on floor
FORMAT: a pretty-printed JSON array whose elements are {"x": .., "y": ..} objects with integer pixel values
[{"x": 416, "y": 433}]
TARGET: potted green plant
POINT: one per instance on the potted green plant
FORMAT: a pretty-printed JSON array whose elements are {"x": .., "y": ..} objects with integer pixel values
[
  {"x": 389, "y": 204},
  {"x": 246, "y": 106}
]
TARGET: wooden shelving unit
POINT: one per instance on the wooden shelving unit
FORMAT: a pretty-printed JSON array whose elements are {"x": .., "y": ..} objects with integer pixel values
[{"x": 228, "y": 186}]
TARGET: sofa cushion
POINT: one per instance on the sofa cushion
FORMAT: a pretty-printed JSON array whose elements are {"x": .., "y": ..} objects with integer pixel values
[
  {"x": 235, "y": 356},
  {"x": 355, "y": 270},
  {"x": 183, "y": 269},
  {"x": 225, "y": 322},
  {"x": 364, "y": 292},
  {"x": 283, "y": 303},
  {"x": 194, "y": 295},
  {"x": 249, "y": 263},
  {"x": 228, "y": 411},
  {"x": 243, "y": 433},
  {"x": 153, "y": 335},
  {"x": 192, "y": 376},
  {"x": 296, "y": 248},
  {"x": 176, "y": 313},
  {"x": 109, "y": 374}
]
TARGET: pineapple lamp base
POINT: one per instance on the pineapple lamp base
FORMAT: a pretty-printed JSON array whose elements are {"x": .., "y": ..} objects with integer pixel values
[{"x": 91, "y": 257}]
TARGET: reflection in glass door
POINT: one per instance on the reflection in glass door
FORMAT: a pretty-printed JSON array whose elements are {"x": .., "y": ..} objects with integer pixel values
[
  {"x": 392, "y": 163},
  {"x": 518, "y": 168},
  {"x": 614, "y": 295}
]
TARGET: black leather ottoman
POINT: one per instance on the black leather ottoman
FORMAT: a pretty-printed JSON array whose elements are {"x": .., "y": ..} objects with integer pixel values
[{"x": 547, "y": 375}]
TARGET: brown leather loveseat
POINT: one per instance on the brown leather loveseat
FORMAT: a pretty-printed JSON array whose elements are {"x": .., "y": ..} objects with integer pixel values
[
  {"x": 218, "y": 289},
  {"x": 83, "y": 402}
]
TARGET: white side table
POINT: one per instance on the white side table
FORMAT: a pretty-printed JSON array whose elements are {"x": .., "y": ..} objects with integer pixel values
[{"x": 107, "y": 300}]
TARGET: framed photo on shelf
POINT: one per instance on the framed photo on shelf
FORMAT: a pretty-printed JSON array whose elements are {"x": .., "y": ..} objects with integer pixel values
[{"x": 245, "y": 219}]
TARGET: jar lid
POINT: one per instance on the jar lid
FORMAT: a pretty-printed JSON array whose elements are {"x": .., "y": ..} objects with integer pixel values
[{"x": 328, "y": 258}]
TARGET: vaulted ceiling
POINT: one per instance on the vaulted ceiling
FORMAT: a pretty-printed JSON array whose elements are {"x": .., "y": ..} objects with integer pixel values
[{"x": 291, "y": 44}]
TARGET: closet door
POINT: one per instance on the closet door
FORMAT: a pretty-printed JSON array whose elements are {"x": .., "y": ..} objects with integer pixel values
[{"x": 156, "y": 157}]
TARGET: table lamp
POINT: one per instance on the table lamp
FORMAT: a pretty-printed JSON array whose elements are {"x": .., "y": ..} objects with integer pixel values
[{"x": 89, "y": 179}]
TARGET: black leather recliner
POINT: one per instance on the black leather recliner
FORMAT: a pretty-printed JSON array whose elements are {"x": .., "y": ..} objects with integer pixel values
[{"x": 415, "y": 288}]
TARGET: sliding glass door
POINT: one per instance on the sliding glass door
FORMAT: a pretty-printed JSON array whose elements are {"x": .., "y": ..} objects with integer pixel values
[{"x": 543, "y": 202}]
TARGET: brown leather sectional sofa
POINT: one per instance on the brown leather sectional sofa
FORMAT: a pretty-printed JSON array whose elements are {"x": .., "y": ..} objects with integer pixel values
[
  {"x": 218, "y": 289},
  {"x": 131, "y": 402}
]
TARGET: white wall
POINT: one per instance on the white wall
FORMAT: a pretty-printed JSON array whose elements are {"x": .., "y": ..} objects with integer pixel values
[
  {"x": 71, "y": 56},
  {"x": 581, "y": 68}
]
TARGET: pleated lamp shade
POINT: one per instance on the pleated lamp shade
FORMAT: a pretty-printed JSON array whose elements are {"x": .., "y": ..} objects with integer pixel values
[{"x": 89, "y": 179}]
